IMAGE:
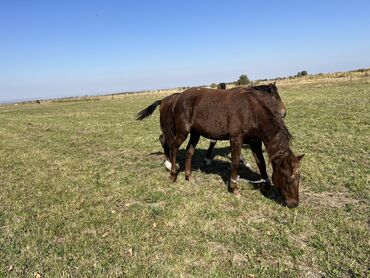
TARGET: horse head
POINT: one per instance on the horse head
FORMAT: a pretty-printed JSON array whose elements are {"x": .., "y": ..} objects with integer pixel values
[{"x": 285, "y": 177}]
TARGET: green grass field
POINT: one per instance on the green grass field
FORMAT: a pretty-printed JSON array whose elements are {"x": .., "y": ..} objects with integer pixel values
[{"x": 83, "y": 193}]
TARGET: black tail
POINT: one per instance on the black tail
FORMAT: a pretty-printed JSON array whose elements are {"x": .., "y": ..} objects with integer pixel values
[{"x": 147, "y": 111}]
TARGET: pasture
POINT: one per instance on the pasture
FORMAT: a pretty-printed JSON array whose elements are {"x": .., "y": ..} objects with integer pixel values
[{"x": 83, "y": 193}]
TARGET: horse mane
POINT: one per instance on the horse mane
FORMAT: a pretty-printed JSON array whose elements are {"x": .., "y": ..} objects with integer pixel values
[
  {"x": 265, "y": 87},
  {"x": 274, "y": 127},
  {"x": 279, "y": 146}
]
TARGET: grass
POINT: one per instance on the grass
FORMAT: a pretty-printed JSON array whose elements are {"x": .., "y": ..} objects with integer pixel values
[{"x": 83, "y": 193}]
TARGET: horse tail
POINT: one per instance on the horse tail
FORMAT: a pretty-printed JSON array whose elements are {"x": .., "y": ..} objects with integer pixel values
[{"x": 147, "y": 111}]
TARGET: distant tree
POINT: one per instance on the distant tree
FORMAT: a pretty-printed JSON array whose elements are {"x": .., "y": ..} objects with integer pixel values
[
  {"x": 213, "y": 85},
  {"x": 243, "y": 80},
  {"x": 301, "y": 73}
]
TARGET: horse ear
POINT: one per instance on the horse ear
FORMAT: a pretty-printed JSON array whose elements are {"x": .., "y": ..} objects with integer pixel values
[
  {"x": 274, "y": 83},
  {"x": 271, "y": 87},
  {"x": 299, "y": 157}
]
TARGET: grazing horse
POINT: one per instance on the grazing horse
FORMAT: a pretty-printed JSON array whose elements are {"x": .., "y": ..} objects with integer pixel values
[
  {"x": 272, "y": 99},
  {"x": 269, "y": 95},
  {"x": 241, "y": 117}
]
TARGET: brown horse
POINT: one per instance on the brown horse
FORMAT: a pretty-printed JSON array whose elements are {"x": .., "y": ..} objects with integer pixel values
[
  {"x": 272, "y": 99},
  {"x": 241, "y": 117},
  {"x": 270, "y": 96}
]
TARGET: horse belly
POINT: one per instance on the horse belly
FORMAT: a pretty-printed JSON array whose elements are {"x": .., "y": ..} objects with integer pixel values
[{"x": 211, "y": 126}]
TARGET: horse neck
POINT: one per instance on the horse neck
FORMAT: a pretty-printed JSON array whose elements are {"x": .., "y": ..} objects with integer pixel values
[{"x": 276, "y": 139}]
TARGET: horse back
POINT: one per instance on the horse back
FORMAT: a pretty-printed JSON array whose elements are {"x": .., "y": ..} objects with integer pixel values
[{"x": 216, "y": 115}]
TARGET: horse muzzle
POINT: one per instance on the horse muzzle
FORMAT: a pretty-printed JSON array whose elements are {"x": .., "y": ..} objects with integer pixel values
[{"x": 291, "y": 203}]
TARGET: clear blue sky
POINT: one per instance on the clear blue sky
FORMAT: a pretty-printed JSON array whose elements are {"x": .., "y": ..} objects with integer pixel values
[{"x": 63, "y": 48}]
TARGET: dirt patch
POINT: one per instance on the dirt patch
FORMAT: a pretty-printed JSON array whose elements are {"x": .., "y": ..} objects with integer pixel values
[{"x": 328, "y": 199}]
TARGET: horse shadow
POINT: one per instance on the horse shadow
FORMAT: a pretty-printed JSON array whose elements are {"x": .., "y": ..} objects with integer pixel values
[{"x": 222, "y": 168}]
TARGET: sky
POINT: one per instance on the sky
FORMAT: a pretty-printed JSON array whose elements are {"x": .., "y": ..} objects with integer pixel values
[{"x": 52, "y": 49}]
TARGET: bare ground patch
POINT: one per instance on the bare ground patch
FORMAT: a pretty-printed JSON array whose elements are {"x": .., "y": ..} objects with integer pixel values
[{"x": 328, "y": 199}]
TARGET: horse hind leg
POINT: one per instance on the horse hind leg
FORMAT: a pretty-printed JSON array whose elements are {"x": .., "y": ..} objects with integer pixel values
[
  {"x": 179, "y": 139},
  {"x": 190, "y": 149}
]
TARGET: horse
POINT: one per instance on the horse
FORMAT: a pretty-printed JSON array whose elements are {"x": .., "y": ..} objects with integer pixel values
[
  {"x": 272, "y": 99},
  {"x": 240, "y": 117},
  {"x": 221, "y": 86}
]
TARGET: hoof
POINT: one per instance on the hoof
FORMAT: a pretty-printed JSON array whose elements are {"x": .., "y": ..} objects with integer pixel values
[
  {"x": 172, "y": 178},
  {"x": 234, "y": 190},
  {"x": 208, "y": 161},
  {"x": 236, "y": 193}
]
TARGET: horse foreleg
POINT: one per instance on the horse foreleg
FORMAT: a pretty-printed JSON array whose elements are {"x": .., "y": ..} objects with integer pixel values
[
  {"x": 190, "y": 149},
  {"x": 260, "y": 160},
  {"x": 207, "y": 158},
  {"x": 174, "y": 149},
  {"x": 236, "y": 145}
]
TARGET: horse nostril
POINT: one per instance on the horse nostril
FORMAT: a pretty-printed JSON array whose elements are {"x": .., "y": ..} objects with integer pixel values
[{"x": 284, "y": 114}]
